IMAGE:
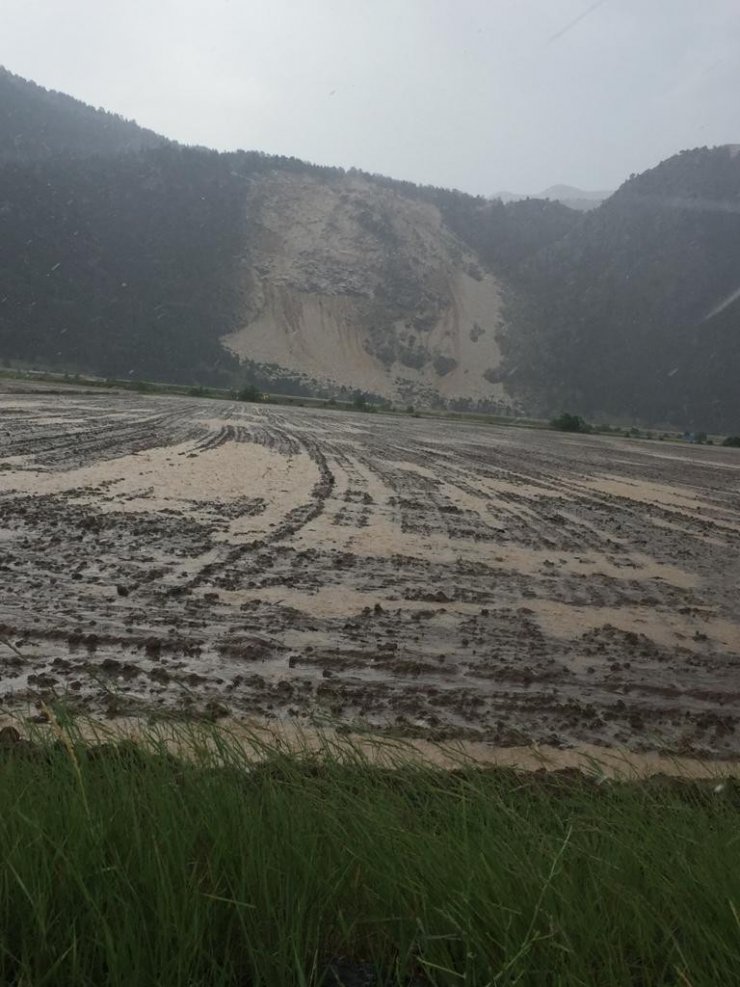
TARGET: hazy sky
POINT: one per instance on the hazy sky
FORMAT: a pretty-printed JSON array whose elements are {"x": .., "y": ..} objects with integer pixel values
[{"x": 482, "y": 95}]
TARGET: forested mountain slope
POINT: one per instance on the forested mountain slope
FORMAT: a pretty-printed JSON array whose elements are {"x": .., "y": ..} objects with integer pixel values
[
  {"x": 36, "y": 122},
  {"x": 122, "y": 253},
  {"x": 636, "y": 313},
  {"x": 184, "y": 264},
  {"x": 130, "y": 265}
]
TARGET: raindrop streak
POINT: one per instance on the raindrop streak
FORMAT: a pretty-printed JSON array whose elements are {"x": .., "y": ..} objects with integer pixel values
[
  {"x": 722, "y": 305},
  {"x": 576, "y": 20}
]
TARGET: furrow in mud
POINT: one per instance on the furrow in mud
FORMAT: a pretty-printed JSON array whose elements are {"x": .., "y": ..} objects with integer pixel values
[{"x": 419, "y": 577}]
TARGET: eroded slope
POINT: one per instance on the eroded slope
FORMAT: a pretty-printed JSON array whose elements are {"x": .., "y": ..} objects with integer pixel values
[{"x": 352, "y": 284}]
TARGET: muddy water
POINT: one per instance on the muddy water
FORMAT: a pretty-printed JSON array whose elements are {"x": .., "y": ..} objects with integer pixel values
[{"x": 429, "y": 579}]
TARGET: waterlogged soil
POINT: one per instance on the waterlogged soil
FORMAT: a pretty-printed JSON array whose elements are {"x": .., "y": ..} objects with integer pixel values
[{"x": 419, "y": 577}]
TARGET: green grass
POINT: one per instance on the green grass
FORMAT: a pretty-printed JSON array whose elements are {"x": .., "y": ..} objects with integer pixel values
[{"x": 133, "y": 868}]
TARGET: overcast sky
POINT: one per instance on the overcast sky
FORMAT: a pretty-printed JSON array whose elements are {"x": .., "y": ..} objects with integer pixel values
[{"x": 482, "y": 95}]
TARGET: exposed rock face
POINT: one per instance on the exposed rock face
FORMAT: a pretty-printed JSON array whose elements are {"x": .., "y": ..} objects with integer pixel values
[{"x": 356, "y": 286}]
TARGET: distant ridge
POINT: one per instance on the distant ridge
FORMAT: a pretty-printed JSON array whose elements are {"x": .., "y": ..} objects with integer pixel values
[{"x": 568, "y": 195}]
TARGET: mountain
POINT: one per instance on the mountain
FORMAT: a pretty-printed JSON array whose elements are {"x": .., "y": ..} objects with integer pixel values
[
  {"x": 127, "y": 264},
  {"x": 36, "y": 122},
  {"x": 124, "y": 254},
  {"x": 575, "y": 198},
  {"x": 568, "y": 195},
  {"x": 175, "y": 263},
  {"x": 635, "y": 313}
]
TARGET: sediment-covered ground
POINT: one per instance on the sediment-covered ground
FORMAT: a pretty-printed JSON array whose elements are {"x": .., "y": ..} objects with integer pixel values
[{"x": 427, "y": 577}]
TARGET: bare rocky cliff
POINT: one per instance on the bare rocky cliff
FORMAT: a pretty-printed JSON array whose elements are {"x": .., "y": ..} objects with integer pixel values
[{"x": 353, "y": 285}]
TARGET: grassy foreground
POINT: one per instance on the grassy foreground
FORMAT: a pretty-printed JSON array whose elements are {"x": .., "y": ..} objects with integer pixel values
[{"x": 124, "y": 866}]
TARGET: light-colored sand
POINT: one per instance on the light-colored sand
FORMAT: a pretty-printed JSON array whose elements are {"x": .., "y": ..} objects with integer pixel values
[
  {"x": 317, "y": 335},
  {"x": 179, "y": 478},
  {"x": 150, "y": 480},
  {"x": 682, "y": 501},
  {"x": 564, "y": 620}
]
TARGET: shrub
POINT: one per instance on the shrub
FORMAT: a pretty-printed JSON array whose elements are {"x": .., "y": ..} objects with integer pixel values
[
  {"x": 249, "y": 393},
  {"x": 570, "y": 423},
  {"x": 444, "y": 365},
  {"x": 141, "y": 386},
  {"x": 733, "y": 441}
]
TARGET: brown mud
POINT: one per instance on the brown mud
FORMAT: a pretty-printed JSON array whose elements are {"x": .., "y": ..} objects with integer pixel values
[{"x": 424, "y": 578}]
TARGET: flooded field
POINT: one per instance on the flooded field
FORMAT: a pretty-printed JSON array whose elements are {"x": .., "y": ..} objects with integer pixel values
[{"x": 425, "y": 577}]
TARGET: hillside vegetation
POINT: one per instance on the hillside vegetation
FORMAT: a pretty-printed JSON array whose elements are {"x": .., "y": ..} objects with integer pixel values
[
  {"x": 124, "y": 254},
  {"x": 36, "y": 122},
  {"x": 130, "y": 267},
  {"x": 636, "y": 311}
]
